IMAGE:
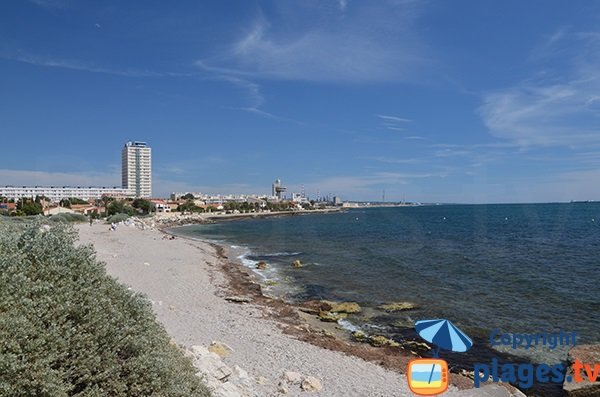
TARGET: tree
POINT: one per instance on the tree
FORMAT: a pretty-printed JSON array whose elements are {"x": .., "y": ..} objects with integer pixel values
[
  {"x": 188, "y": 196},
  {"x": 29, "y": 207},
  {"x": 120, "y": 207},
  {"x": 65, "y": 203},
  {"x": 106, "y": 200},
  {"x": 144, "y": 205}
]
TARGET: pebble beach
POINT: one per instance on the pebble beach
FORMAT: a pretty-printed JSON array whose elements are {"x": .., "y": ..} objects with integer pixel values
[{"x": 240, "y": 348}]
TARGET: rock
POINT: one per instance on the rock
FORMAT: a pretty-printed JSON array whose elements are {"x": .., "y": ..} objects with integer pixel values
[
  {"x": 261, "y": 265},
  {"x": 311, "y": 384},
  {"x": 237, "y": 299},
  {"x": 404, "y": 323},
  {"x": 309, "y": 310},
  {"x": 585, "y": 354},
  {"x": 292, "y": 377},
  {"x": 397, "y": 306},
  {"x": 261, "y": 380},
  {"x": 331, "y": 317},
  {"x": 297, "y": 263},
  {"x": 221, "y": 349},
  {"x": 417, "y": 345},
  {"x": 327, "y": 333},
  {"x": 282, "y": 389},
  {"x": 380, "y": 341},
  {"x": 345, "y": 307},
  {"x": 212, "y": 366},
  {"x": 198, "y": 351},
  {"x": 360, "y": 336},
  {"x": 228, "y": 389}
]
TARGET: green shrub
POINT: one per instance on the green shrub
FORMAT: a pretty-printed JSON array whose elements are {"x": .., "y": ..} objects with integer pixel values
[
  {"x": 116, "y": 218},
  {"x": 68, "y": 218},
  {"x": 68, "y": 329}
]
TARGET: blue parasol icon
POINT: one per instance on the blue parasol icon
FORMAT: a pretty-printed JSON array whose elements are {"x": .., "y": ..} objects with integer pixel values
[{"x": 444, "y": 335}]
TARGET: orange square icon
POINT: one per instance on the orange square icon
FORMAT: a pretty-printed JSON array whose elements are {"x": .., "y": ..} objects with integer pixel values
[{"x": 427, "y": 376}]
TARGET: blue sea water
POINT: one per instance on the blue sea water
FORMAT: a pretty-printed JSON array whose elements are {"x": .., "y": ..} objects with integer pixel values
[{"x": 519, "y": 267}]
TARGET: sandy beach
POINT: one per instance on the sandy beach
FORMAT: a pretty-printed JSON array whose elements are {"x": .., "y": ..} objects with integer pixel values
[{"x": 185, "y": 282}]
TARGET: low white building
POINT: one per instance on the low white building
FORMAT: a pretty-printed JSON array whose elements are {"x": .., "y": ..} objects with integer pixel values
[{"x": 57, "y": 193}]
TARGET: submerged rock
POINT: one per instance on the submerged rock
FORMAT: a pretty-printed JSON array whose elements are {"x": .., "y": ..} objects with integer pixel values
[
  {"x": 261, "y": 265},
  {"x": 331, "y": 317},
  {"x": 345, "y": 307},
  {"x": 297, "y": 263},
  {"x": 397, "y": 306}
]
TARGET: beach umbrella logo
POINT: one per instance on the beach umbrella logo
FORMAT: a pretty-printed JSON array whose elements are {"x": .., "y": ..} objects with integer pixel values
[
  {"x": 429, "y": 376},
  {"x": 444, "y": 335}
]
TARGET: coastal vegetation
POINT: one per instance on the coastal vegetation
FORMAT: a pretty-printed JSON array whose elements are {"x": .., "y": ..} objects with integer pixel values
[{"x": 69, "y": 329}]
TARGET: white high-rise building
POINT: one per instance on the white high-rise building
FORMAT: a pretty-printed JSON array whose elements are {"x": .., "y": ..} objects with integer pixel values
[{"x": 136, "y": 160}]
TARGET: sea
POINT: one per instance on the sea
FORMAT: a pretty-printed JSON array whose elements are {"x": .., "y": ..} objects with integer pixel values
[{"x": 515, "y": 268}]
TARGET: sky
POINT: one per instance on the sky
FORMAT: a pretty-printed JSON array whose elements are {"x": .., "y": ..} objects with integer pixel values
[{"x": 432, "y": 101}]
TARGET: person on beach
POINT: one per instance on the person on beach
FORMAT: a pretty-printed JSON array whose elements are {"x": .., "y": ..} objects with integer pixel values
[{"x": 91, "y": 221}]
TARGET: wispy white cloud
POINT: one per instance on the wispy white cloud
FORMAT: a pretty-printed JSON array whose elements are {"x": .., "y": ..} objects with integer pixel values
[
  {"x": 335, "y": 50},
  {"x": 556, "y": 107},
  {"x": 393, "y": 160},
  {"x": 394, "y": 118},
  {"x": 79, "y": 65},
  {"x": 50, "y": 3},
  {"x": 44, "y": 178}
]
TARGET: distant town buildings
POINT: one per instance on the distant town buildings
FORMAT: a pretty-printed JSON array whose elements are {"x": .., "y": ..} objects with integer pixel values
[
  {"x": 136, "y": 181},
  {"x": 136, "y": 174},
  {"x": 57, "y": 193},
  {"x": 277, "y": 189}
]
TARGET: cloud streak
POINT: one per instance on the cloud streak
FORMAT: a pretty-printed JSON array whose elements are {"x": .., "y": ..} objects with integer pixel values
[
  {"x": 336, "y": 50},
  {"x": 554, "y": 108}
]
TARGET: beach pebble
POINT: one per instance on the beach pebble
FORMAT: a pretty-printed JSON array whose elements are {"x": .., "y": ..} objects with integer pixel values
[
  {"x": 292, "y": 377},
  {"x": 146, "y": 263},
  {"x": 311, "y": 384}
]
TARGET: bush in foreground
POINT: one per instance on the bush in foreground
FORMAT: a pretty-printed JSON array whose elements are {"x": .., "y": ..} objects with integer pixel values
[{"x": 68, "y": 329}]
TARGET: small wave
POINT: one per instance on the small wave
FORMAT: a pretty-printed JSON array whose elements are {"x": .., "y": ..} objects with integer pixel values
[
  {"x": 348, "y": 326},
  {"x": 235, "y": 246},
  {"x": 283, "y": 254}
]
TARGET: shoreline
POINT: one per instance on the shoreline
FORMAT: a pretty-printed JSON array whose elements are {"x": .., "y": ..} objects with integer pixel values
[
  {"x": 268, "y": 336},
  {"x": 332, "y": 336},
  {"x": 174, "y": 219}
]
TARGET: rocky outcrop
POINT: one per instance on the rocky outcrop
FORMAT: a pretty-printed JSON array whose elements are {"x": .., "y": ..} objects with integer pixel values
[
  {"x": 360, "y": 336},
  {"x": 297, "y": 264},
  {"x": 397, "y": 306},
  {"x": 380, "y": 341},
  {"x": 344, "y": 307},
  {"x": 583, "y": 354}
]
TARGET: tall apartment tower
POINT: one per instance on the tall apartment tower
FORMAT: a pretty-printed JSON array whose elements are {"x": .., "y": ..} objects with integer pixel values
[{"x": 136, "y": 174}]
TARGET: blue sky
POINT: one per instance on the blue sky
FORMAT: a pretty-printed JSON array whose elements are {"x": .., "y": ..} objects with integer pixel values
[{"x": 436, "y": 101}]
